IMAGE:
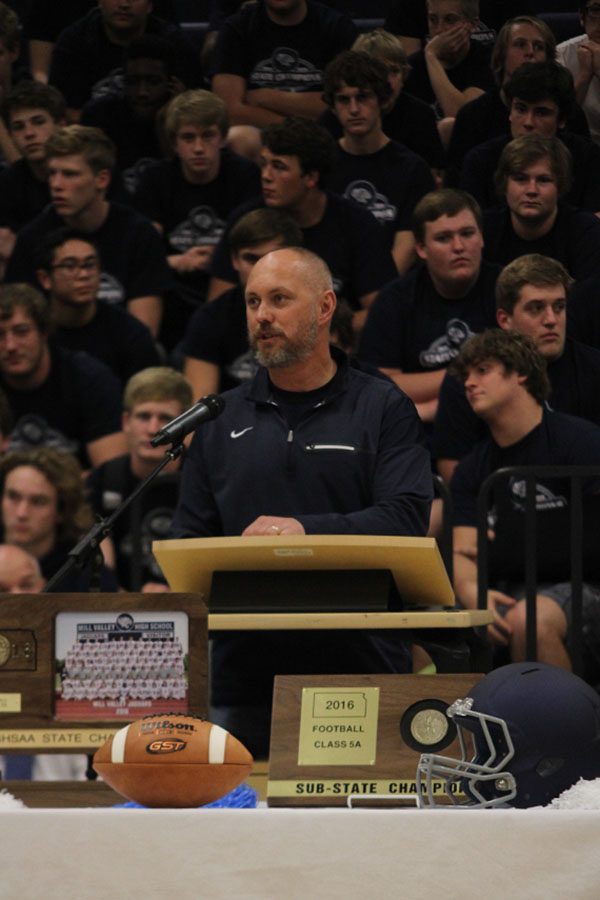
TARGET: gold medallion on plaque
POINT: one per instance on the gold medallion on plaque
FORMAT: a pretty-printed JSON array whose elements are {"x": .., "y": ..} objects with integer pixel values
[
  {"x": 425, "y": 726},
  {"x": 429, "y": 726},
  {"x": 4, "y": 650}
]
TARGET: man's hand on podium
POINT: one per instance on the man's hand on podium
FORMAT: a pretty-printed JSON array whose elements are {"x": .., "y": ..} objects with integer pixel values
[{"x": 273, "y": 525}]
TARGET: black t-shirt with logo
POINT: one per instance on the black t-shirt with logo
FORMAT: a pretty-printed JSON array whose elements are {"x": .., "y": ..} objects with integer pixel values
[
  {"x": 282, "y": 57},
  {"x": 79, "y": 402},
  {"x": 147, "y": 519},
  {"x": 558, "y": 440},
  {"x": 195, "y": 214},
  {"x": 347, "y": 238},
  {"x": 131, "y": 251},
  {"x": 413, "y": 328},
  {"x": 388, "y": 183}
]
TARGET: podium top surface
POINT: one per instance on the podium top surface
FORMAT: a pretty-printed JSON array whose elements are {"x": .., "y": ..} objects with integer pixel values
[{"x": 415, "y": 562}]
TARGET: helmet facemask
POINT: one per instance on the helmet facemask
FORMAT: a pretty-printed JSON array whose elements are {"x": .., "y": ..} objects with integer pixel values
[{"x": 479, "y": 778}]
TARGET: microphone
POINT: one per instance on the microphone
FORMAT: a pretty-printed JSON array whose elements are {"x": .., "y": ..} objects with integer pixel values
[{"x": 203, "y": 411}]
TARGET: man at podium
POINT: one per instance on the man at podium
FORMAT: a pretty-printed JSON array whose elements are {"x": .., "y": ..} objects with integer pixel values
[{"x": 311, "y": 445}]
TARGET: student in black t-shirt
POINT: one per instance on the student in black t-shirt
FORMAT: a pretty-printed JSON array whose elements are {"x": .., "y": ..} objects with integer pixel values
[
  {"x": 151, "y": 399},
  {"x": 541, "y": 98},
  {"x": 68, "y": 269},
  {"x": 45, "y": 21},
  {"x": 531, "y": 298},
  {"x": 134, "y": 119},
  {"x": 404, "y": 118},
  {"x": 379, "y": 174},
  {"x": 506, "y": 385},
  {"x": 216, "y": 349},
  {"x": 452, "y": 69},
  {"x": 533, "y": 175},
  {"x": 32, "y": 112},
  {"x": 80, "y": 160},
  {"x": 297, "y": 156},
  {"x": 190, "y": 197},
  {"x": 43, "y": 511},
  {"x": 419, "y": 322},
  {"x": 57, "y": 397},
  {"x": 88, "y": 58},
  {"x": 270, "y": 57}
]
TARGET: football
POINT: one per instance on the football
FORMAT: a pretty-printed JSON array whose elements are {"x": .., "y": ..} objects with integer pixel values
[{"x": 173, "y": 760}]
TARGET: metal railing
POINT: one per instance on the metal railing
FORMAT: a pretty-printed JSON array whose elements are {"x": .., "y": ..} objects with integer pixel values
[
  {"x": 576, "y": 475},
  {"x": 442, "y": 490}
]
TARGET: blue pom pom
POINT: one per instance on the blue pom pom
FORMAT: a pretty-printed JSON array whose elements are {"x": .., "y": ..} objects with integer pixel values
[{"x": 241, "y": 797}]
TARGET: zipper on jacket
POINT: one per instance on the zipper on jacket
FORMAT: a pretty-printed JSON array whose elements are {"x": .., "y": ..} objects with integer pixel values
[{"x": 315, "y": 448}]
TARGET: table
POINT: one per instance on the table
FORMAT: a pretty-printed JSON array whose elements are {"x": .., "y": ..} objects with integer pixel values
[{"x": 284, "y": 854}]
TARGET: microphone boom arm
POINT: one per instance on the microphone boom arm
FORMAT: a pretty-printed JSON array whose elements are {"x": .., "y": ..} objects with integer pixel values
[{"x": 87, "y": 552}]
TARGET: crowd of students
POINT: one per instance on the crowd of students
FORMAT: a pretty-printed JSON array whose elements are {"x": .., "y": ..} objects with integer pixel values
[{"x": 444, "y": 166}]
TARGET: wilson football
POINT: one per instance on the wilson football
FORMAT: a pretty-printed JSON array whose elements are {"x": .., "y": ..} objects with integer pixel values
[{"x": 173, "y": 760}]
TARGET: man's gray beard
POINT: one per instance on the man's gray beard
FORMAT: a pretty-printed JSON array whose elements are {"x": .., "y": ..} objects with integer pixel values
[{"x": 288, "y": 353}]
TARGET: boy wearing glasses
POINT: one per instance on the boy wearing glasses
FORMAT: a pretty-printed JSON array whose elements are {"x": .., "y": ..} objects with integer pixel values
[
  {"x": 69, "y": 270},
  {"x": 135, "y": 273}
]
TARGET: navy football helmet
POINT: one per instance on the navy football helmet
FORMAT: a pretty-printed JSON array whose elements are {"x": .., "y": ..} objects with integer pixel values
[{"x": 527, "y": 732}]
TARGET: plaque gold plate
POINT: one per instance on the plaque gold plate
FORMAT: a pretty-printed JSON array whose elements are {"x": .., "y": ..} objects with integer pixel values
[
  {"x": 10, "y": 703},
  {"x": 338, "y": 727}
]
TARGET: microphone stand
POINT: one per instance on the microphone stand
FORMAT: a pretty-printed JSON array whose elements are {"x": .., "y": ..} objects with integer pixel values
[{"x": 87, "y": 552}]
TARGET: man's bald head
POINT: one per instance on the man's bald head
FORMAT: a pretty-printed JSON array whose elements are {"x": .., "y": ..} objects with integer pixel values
[
  {"x": 19, "y": 571},
  {"x": 313, "y": 270}
]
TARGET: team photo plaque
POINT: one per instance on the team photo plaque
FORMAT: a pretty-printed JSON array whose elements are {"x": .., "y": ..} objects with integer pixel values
[{"x": 74, "y": 667}]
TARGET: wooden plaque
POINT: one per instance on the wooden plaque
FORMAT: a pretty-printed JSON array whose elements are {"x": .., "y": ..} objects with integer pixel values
[
  {"x": 336, "y": 736},
  {"x": 143, "y": 653}
]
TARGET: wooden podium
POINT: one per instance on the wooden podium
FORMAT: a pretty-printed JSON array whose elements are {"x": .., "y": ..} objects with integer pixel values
[{"x": 415, "y": 564}]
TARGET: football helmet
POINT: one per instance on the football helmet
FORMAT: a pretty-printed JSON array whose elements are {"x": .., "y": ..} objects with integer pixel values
[{"x": 527, "y": 732}]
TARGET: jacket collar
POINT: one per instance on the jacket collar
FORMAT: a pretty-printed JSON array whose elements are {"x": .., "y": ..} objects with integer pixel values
[{"x": 262, "y": 392}]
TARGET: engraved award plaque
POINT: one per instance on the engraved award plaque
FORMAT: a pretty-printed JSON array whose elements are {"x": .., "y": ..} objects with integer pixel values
[
  {"x": 75, "y": 667},
  {"x": 335, "y": 737}
]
